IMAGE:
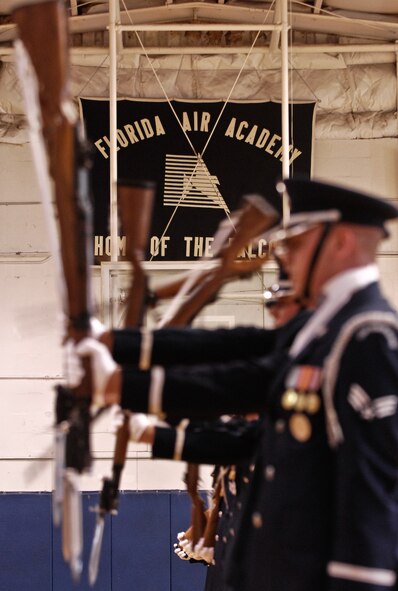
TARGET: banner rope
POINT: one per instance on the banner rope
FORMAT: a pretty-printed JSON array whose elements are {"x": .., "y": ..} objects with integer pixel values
[{"x": 227, "y": 100}]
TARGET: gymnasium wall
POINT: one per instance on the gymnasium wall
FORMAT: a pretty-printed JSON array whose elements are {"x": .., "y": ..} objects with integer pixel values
[
  {"x": 31, "y": 319},
  {"x": 138, "y": 546}
]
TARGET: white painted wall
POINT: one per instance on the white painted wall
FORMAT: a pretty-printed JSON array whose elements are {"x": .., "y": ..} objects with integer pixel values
[
  {"x": 31, "y": 329},
  {"x": 368, "y": 165}
]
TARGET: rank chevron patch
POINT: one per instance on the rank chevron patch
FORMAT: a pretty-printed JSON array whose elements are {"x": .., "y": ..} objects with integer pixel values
[{"x": 369, "y": 409}]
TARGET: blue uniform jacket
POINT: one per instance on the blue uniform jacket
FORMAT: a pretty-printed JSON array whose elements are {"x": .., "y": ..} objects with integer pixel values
[
  {"x": 321, "y": 513},
  {"x": 322, "y": 510}
]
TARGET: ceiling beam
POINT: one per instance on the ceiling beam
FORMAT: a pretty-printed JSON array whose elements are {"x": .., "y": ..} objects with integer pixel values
[
  {"x": 207, "y": 12},
  {"x": 95, "y": 55}
]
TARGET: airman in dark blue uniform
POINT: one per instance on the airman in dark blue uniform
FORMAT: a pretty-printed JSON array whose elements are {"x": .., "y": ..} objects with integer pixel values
[
  {"x": 230, "y": 441},
  {"x": 321, "y": 513}
]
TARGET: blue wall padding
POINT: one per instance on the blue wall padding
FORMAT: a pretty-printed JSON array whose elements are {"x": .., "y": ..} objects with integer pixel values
[
  {"x": 25, "y": 542},
  {"x": 137, "y": 552},
  {"x": 144, "y": 562}
]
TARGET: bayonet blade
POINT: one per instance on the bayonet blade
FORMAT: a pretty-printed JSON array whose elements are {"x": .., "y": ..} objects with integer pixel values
[
  {"x": 66, "y": 521},
  {"x": 76, "y": 514},
  {"x": 59, "y": 467},
  {"x": 96, "y": 548},
  {"x": 72, "y": 530}
]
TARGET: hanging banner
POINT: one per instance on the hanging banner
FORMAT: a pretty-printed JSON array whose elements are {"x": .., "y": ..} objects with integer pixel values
[{"x": 203, "y": 158}]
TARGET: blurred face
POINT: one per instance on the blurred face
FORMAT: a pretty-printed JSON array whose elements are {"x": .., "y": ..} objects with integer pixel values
[
  {"x": 345, "y": 246},
  {"x": 297, "y": 257}
]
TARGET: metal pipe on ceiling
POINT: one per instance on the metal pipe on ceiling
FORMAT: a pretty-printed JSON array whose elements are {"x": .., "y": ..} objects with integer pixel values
[
  {"x": 217, "y": 49},
  {"x": 200, "y": 27}
]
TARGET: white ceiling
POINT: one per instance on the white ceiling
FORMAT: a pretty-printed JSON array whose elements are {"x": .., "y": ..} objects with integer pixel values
[
  {"x": 343, "y": 55},
  {"x": 312, "y": 22}
]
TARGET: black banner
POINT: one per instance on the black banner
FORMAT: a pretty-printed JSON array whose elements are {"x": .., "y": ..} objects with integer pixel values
[{"x": 201, "y": 174}]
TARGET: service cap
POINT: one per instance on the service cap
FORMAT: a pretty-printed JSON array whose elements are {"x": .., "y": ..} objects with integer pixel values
[{"x": 313, "y": 202}]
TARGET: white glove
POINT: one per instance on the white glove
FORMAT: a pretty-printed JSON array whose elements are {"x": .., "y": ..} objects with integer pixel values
[
  {"x": 180, "y": 552},
  {"x": 186, "y": 546},
  {"x": 138, "y": 422},
  {"x": 185, "y": 551},
  {"x": 103, "y": 366},
  {"x": 96, "y": 327},
  {"x": 181, "y": 536},
  {"x": 72, "y": 366},
  {"x": 183, "y": 548}
]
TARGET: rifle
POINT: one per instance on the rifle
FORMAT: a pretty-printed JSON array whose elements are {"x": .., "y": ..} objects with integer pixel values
[
  {"x": 43, "y": 31},
  {"x": 213, "y": 516},
  {"x": 169, "y": 289},
  {"x": 255, "y": 217},
  {"x": 184, "y": 284},
  {"x": 133, "y": 225},
  {"x": 203, "y": 526},
  {"x": 135, "y": 200},
  {"x": 198, "y": 514}
]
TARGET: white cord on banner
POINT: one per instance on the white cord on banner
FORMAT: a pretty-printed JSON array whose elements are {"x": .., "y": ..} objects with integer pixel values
[
  {"x": 204, "y": 263},
  {"x": 237, "y": 78},
  {"x": 199, "y": 156}
]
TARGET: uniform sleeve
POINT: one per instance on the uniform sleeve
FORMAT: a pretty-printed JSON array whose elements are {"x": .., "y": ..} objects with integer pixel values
[
  {"x": 170, "y": 346},
  {"x": 200, "y": 391},
  {"x": 212, "y": 443},
  {"x": 365, "y": 523}
]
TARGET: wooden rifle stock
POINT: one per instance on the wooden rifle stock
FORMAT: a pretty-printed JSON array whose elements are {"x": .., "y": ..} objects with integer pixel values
[
  {"x": 135, "y": 200},
  {"x": 255, "y": 218},
  {"x": 169, "y": 289},
  {"x": 209, "y": 534},
  {"x": 71, "y": 162},
  {"x": 198, "y": 514},
  {"x": 44, "y": 35},
  {"x": 231, "y": 237},
  {"x": 43, "y": 30}
]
